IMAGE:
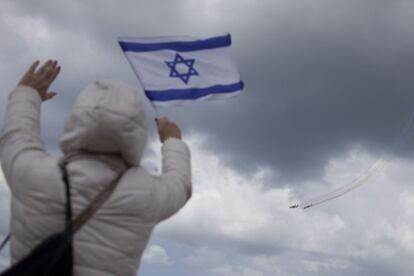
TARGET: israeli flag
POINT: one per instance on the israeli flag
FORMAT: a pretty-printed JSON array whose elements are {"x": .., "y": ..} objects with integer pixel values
[{"x": 176, "y": 70}]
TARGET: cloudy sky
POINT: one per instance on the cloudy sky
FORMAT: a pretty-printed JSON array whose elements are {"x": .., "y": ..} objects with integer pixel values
[{"x": 329, "y": 85}]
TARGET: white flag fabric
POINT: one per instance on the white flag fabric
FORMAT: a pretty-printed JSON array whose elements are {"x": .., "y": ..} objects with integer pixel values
[{"x": 176, "y": 70}]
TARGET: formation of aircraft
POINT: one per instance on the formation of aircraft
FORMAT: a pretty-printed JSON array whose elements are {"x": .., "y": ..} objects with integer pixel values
[{"x": 297, "y": 206}]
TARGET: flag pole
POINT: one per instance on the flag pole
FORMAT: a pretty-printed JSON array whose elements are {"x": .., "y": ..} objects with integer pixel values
[
  {"x": 140, "y": 81},
  {"x": 157, "y": 113}
]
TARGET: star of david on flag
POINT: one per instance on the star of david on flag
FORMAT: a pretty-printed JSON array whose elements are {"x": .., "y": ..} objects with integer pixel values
[
  {"x": 184, "y": 76},
  {"x": 178, "y": 70}
]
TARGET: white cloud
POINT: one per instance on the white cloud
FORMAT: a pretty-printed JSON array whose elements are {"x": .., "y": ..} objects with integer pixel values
[
  {"x": 242, "y": 216},
  {"x": 155, "y": 254},
  {"x": 237, "y": 224},
  {"x": 228, "y": 205}
]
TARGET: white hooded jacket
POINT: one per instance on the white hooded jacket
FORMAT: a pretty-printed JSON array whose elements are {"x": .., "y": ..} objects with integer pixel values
[{"x": 104, "y": 136}]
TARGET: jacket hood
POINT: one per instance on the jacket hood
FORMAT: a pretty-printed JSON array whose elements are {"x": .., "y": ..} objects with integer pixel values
[{"x": 107, "y": 118}]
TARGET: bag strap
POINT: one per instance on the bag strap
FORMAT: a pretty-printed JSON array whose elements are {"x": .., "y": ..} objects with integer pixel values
[
  {"x": 73, "y": 226},
  {"x": 4, "y": 242},
  {"x": 68, "y": 209}
]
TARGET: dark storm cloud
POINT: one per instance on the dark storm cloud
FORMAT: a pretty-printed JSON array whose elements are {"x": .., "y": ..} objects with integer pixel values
[
  {"x": 321, "y": 76},
  {"x": 320, "y": 80}
]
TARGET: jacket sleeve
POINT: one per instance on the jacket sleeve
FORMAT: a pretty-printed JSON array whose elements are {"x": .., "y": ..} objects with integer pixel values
[
  {"x": 173, "y": 187},
  {"x": 21, "y": 130}
]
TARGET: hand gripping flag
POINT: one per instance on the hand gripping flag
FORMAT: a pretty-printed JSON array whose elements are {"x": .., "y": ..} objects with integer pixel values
[{"x": 176, "y": 70}]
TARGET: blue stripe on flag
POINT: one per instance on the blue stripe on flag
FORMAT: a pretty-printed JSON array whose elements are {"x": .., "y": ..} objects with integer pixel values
[
  {"x": 179, "y": 46},
  {"x": 192, "y": 93}
]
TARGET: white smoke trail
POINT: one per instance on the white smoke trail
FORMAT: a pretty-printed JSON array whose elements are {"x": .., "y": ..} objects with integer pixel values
[
  {"x": 357, "y": 182},
  {"x": 379, "y": 165}
]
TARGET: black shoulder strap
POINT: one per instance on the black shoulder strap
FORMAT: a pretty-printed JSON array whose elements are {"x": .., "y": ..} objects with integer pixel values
[
  {"x": 4, "y": 242},
  {"x": 73, "y": 226},
  {"x": 68, "y": 208}
]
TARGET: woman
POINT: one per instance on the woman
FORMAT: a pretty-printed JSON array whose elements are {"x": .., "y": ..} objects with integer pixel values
[{"x": 104, "y": 137}]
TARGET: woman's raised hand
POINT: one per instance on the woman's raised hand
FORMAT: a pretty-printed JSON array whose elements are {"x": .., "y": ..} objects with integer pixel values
[
  {"x": 167, "y": 129},
  {"x": 40, "y": 79}
]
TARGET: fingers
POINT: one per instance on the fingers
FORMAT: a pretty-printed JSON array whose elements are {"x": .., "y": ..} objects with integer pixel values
[
  {"x": 53, "y": 73},
  {"x": 49, "y": 71},
  {"x": 44, "y": 68},
  {"x": 33, "y": 67},
  {"x": 167, "y": 129},
  {"x": 40, "y": 79},
  {"x": 49, "y": 96},
  {"x": 162, "y": 121}
]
